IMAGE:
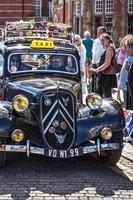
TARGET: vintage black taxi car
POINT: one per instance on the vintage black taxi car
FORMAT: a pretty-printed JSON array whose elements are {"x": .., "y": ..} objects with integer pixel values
[{"x": 41, "y": 110}]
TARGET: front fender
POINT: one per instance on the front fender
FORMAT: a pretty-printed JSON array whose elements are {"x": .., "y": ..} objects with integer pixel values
[
  {"x": 89, "y": 126},
  {"x": 5, "y": 119}
]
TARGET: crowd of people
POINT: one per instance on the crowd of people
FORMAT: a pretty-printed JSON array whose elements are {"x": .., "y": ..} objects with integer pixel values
[{"x": 107, "y": 67}]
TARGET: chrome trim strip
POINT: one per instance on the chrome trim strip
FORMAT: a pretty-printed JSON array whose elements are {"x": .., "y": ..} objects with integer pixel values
[
  {"x": 41, "y": 151},
  {"x": 49, "y": 111},
  {"x": 37, "y": 150},
  {"x": 89, "y": 149},
  {"x": 50, "y": 122},
  {"x": 66, "y": 111},
  {"x": 67, "y": 121},
  {"x": 103, "y": 147},
  {"x": 13, "y": 148}
]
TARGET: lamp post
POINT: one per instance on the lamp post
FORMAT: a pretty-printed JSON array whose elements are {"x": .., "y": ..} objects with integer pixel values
[{"x": 64, "y": 10}]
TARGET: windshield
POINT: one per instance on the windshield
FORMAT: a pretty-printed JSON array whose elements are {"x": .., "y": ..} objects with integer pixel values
[{"x": 64, "y": 63}]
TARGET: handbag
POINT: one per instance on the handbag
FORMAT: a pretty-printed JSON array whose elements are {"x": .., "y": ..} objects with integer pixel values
[{"x": 113, "y": 68}]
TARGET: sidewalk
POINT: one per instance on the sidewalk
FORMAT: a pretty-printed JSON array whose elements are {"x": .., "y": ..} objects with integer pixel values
[{"x": 128, "y": 151}]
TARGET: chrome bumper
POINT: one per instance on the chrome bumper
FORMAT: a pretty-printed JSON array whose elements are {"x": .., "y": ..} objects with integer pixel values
[{"x": 63, "y": 153}]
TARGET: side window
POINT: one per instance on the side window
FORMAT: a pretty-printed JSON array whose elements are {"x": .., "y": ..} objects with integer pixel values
[
  {"x": 70, "y": 65},
  {"x": 1, "y": 64},
  {"x": 14, "y": 63}
]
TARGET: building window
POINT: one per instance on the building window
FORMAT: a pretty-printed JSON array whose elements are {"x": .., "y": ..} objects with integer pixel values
[
  {"x": 82, "y": 8},
  {"x": 109, "y": 25},
  {"x": 98, "y": 6},
  {"x": 109, "y": 6},
  {"x": 130, "y": 24},
  {"x": 77, "y": 25},
  {"x": 98, "y": 22},
  {"x": 78, "y": 8},
  {"x": 37, "y": 8},
  {"x": 130, "y": 6}
]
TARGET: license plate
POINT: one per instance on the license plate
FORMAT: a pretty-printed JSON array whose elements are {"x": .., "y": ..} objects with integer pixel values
[{"x": 75, "y": 152}]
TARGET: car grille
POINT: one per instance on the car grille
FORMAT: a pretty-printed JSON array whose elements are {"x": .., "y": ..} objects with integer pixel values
[{"x": 58, "y": 119}]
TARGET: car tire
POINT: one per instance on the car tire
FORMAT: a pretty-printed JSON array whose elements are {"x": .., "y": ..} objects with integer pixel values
[
  {"x": 111, "y": 157},
  {"x": 2, "y": 153}
]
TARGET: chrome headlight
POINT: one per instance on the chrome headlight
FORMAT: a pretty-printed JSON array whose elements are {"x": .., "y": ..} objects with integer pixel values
[
  {"x": 17, "y": 135},
  {"x": 106, "y": 133},
  {"x": 20, "y": 103},
  {"x": 94, "y": 101}
]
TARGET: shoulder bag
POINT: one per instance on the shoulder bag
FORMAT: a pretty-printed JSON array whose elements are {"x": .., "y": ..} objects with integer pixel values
[{"x": 113, "y": 68}]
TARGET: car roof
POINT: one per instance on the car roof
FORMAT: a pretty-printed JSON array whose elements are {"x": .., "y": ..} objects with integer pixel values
[
  {"x": 25, "y": 45},
  {"x": 19, "y": 35}
]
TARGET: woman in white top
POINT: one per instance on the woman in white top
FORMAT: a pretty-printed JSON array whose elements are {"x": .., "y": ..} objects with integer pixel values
[{"x": 82, "y": 53}]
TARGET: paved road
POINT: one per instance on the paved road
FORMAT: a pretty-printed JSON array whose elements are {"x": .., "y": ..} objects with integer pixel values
[
  {"x": 128, "y": 151},
  {"x": 85, "y": 178}
]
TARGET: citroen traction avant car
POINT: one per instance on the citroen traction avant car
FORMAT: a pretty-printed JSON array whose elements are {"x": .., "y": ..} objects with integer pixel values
[{"x": 41, "y": 110}]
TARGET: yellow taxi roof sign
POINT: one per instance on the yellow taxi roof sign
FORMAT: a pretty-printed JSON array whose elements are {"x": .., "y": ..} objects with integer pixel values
[{"x": 42, "y": 44}]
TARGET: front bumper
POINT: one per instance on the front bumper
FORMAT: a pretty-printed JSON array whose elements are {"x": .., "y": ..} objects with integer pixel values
[{"x": 75, "y": 152}]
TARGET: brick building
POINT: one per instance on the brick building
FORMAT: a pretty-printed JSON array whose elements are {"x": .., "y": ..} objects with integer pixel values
[
  {"x": 12, "y": 10},
  {"x": 115, "y": 15},
  {"x": 60, "y": 11}
]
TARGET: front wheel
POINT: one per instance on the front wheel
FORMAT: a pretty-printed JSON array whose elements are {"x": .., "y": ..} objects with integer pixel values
[
  {"x": 112, "y": 157},
  {"x": 2, "y": 153}
]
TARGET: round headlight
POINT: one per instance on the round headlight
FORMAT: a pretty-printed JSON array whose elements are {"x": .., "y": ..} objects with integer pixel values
[
  {"x": 17, "y": 135},
  {"x": 20, "y": 103},
  {"x": 94, "y": 101},
  {"x": 106, "y": 133}
]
